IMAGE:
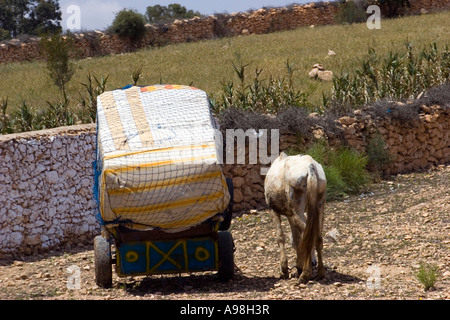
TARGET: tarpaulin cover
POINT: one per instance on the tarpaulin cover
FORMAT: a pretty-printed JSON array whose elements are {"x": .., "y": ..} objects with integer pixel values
[{"x": 157, "y": 158}]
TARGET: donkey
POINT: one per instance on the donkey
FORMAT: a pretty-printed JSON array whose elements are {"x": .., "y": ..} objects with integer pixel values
[{"x": 296, "y": 185}]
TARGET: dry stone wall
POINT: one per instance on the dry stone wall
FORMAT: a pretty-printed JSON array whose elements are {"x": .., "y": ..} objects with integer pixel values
[
  {"x": 412, "y": 145},
  {"x": 46, "y": 197},
  {"x": 261, "y": 21},
  {"x": 46, "y": 177}
]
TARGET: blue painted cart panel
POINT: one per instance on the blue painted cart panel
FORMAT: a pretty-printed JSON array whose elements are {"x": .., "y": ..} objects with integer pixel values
[{"x": 167, "y": 256}]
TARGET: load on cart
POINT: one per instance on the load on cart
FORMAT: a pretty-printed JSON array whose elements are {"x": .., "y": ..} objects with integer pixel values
[{"x": 164, "y": 203}]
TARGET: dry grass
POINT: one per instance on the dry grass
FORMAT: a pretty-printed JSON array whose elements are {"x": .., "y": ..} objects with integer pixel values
[{"x": 206, "y": 64}]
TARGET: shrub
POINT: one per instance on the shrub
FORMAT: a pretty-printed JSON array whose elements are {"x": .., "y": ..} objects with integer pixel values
[
  {"x": 427, "y": 275},
  {"x": 56, "y": 50},
  {"x": 260, "y": 95},
  {"x": 94, "y": 87},
  {"x": 352, "y": 166},
  {"x": 398, "y": 76},
  {"x": 378, "y": 156},
  {"x": 345, "y": 168},
  {"x": 129, "y": 24},
  {"x": 349, "y": 12}
]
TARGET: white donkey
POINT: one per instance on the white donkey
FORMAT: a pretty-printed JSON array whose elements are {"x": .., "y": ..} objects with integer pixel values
[{"x": 296, "y": 185}]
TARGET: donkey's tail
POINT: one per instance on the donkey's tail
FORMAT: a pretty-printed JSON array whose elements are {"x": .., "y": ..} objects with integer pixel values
[{"x": 313, "y": 219}]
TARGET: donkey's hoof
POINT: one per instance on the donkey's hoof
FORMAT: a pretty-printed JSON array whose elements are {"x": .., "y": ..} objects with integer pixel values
[
  {"x": 303, "y": 280},
  {"x": 297, "y": 272},
  {"x": 284, "y": 274},
  {"x": 320, "y": 273}
]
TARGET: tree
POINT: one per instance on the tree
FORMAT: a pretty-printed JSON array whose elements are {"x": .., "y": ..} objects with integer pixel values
[
  {"x": 158, "y": 13},
  {"x": 56, "y": 50},
  {"x": 45, "y": 18},
  {"x": 29, "y": 17},
  {"x": 130, "y": 24},
  {"x": 393, "y": 6}
]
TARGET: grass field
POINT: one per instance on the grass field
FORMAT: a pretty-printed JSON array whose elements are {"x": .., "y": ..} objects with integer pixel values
[{"x": 207, "y": 63}]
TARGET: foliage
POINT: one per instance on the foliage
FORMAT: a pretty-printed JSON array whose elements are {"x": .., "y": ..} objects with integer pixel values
[
  {"x": 393, "y": 6},
  {"x": 396, "y": 76},
  {"x": 350, "y": 12},
  {"x": 94, "y": 87},
  {"x": 56, "y": 50},
  {"x": 5, "y": 124},
  {"x": 158, "y": 13},
  {"x": 378, "y": 156},
  {"x": 129, "y": 24},
  {"x": 260, "y": 95},
  {"x": 345, "y": 168},
  {"x": 29, "y": 17},
  {"x": 427, "y": 275},
  {"x": 4, "y": 34},
  {"x": 137, "y": 75}
]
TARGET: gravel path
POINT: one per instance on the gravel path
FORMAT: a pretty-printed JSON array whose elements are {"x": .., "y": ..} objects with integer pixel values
[{"x": 373, "y": 247}]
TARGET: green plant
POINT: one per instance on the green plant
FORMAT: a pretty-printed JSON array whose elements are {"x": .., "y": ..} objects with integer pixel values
[
  {"x": 137, "y": 75},
  {"x": 396, "y": 76},
  {"x": 350, "y": 12},
  {"x": 58, "y": 114},
  {"x": 129, "y": 24},
  {"x": 30, "y": 16},
  {"x": 56, "y": 50},
  {"x": 5, "y": 122},
  {"x": 158, "y": 13},
  {"x": 378, "y": 155},
  {"x": 94, "y": 87},
  {"x": 352, "y": 166},
  {"x": 393, "y": 6},
  {"x": 345, "y": 168},
  {"x": 427, "y": 275},
  {"x": 25, "y": 117},
  {"x": 260, "y": 95}
]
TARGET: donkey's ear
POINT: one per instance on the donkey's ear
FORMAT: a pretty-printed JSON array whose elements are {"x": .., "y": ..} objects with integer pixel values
[{"x": 283, "y": 155}]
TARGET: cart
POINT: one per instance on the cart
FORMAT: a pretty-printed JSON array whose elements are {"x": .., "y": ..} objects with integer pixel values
[{"x": 163, "y": 202}]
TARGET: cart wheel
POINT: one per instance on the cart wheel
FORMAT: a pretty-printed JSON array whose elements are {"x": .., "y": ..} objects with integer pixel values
[
  {"x": 226, "y": 256},
  {"x": 102, "y": 262},
  {"x": 228, "y": 214}
]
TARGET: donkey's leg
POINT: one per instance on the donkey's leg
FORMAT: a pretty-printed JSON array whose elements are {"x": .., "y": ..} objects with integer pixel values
[
  {"x": 320, "y": 267},
  {"x": 281, "y": 240},
  {"x": 297, "y": 228},
  {"x": 319, "y": 245},
  {"x": 307, "y": 269}
]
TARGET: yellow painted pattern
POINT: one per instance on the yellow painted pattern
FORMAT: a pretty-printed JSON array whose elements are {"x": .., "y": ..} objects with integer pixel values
[
  {"x": 201, "y": 254},
  {"x": 166, "y": 256}
]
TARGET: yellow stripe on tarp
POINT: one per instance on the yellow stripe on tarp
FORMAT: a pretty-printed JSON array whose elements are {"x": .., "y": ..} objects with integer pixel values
[
  {"x": 166, "y": 183},
  {"x": 168, "y": 204},
  {"x": 140, "y": 119},
  {"x": 158, "y": 163},
  {"x": 125, "y": 154},
  {"x": 113, "y": 119}
]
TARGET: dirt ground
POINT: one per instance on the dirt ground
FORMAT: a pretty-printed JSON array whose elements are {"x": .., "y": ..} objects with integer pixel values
[{"x": 373, "y": 246}]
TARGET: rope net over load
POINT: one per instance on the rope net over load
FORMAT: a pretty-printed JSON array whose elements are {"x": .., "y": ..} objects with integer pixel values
[{"x": 157, "y": 163}]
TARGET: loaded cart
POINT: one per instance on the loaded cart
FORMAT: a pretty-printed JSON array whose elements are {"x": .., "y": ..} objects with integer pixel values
[{"x": 163, "y": 201}]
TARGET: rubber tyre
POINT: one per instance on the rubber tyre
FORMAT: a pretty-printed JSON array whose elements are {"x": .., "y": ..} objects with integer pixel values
[
  {"x": 228, "y": 214},
  {"x": 102, "y": 262},
  {"x": 226, "y": 256}
]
